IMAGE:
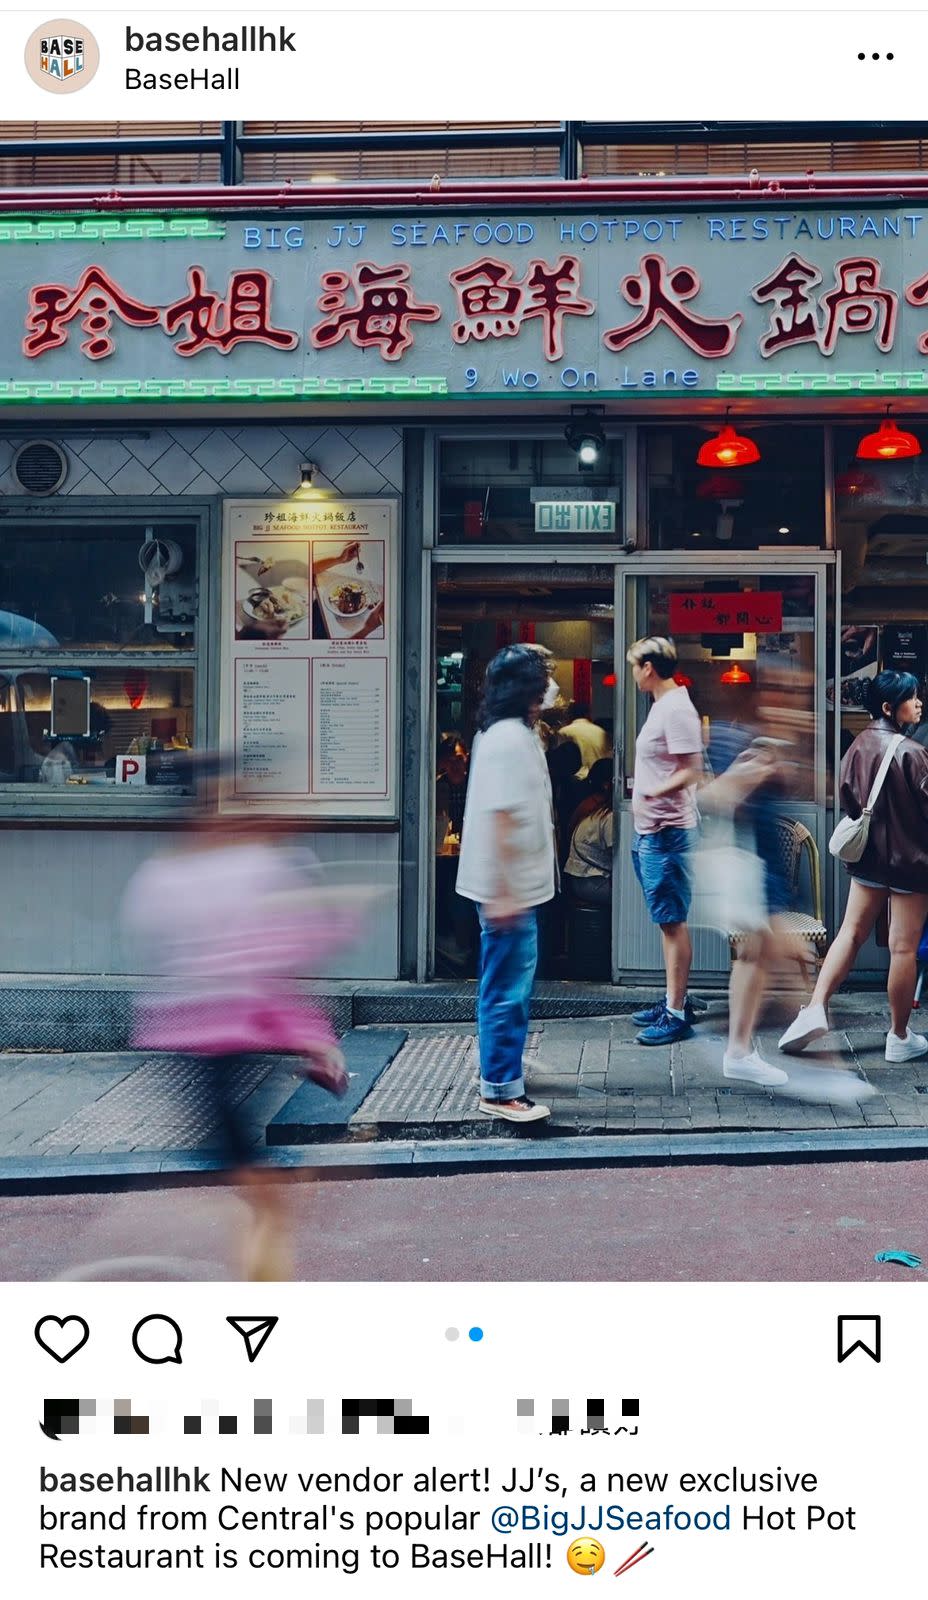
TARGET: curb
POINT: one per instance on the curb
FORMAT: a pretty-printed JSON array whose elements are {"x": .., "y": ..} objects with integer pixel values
[{"x": 407, "y": 1158}]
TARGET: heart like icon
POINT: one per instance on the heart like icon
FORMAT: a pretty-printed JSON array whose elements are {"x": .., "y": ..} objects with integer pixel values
[{"x": 62, "y": 1337}]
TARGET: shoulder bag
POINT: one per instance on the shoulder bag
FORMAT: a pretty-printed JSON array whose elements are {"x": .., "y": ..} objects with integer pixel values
[{"x": 849, "y": 840}]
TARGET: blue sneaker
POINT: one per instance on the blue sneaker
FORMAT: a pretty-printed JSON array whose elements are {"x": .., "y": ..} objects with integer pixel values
[
  {"x": 651, "y": 1014},
  {"x": 666, "y": 1030}
]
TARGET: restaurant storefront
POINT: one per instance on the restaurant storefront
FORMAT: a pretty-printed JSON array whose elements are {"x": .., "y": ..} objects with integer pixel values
[{"x": 281, "y": 480}]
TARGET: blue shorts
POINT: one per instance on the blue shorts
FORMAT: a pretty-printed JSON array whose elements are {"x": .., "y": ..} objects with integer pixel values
[{"x": 662, "y": 867}]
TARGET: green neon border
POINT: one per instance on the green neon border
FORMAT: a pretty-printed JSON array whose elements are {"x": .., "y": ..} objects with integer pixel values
[
  {"x": 91, "y": 391},
  {"x": 138, "y": 228}
]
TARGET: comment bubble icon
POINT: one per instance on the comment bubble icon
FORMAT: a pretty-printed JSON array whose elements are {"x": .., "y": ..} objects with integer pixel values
[{"x": 157, "y": 1339}]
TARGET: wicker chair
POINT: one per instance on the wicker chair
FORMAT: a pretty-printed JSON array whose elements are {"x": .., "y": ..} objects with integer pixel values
[{"x": 804, "y": 929}]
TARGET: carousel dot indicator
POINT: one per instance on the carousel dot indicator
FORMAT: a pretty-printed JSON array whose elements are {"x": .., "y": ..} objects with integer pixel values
[
  {"x": 475, "y": 1335},
  {"x": 451, "y": 1334}
]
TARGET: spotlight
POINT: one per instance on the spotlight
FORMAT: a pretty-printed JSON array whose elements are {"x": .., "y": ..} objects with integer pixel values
[
  {"x": 585, "y": 435},
  {"x": 308, "y": 470}
]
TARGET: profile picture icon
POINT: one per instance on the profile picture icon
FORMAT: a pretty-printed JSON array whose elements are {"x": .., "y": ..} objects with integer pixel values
[{"x": 62, "y": 55}]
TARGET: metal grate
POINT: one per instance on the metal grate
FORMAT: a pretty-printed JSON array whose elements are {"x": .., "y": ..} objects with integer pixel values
[{"x": 40, "y": 467}]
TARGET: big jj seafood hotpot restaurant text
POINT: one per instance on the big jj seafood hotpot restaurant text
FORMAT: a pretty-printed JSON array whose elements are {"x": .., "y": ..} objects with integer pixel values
[{"x": 282, "y": 482}]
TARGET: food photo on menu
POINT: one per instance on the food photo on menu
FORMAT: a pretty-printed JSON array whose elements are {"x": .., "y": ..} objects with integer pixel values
[
  {"x": 348, "y": 589},
  {"x": 272, "y": 590}
]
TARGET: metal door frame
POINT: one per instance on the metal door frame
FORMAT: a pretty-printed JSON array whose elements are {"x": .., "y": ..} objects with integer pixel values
[
  {"x": 815, "y": 563},
  {"x": 546, "y": 556}
]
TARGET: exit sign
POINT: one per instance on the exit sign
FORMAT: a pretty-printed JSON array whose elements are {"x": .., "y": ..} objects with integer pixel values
[{"x": 575, "y": 516}]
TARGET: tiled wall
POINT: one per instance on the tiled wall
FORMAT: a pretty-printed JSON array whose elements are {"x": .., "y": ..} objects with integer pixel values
[{"x": 229, "y": 460}]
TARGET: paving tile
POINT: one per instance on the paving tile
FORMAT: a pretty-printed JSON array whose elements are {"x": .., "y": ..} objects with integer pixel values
[{"x": 60, "y": 1104}]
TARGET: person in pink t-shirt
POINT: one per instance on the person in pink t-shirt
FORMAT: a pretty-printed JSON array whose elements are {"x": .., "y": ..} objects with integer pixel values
[{"x": 669, "y": 763}]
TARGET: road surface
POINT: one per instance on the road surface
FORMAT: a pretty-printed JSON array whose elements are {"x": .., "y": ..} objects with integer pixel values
[{"x": 804, "y": 1222}]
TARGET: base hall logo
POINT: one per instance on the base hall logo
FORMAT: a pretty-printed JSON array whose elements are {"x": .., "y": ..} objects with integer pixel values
[{"x": 62, "y": 56}]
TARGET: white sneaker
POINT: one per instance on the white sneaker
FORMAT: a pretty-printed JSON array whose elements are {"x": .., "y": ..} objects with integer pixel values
[
  {"x": 752, "y": 1069},
  {"x": 811, "y": 1024},
  {"x": 907, "y": 1049}
]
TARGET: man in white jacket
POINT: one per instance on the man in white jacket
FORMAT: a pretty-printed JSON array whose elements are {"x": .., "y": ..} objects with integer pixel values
[{"x": 507, "y": 865}]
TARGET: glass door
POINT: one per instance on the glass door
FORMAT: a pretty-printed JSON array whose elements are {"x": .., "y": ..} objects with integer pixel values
[
  {"x": 565, "y": 608},
  {"x": 751, "y": 643}
]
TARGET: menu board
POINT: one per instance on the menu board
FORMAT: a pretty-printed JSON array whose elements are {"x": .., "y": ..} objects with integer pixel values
[{"x": 309, "y": 656}]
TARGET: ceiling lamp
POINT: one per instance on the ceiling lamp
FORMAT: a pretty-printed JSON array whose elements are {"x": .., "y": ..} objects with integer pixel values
[
  {"x": 728, "y": 449},
  {"x": 889, "y": 443},
  {"x": 736, "y": 674},
  {"x": 682, "y": 681}
]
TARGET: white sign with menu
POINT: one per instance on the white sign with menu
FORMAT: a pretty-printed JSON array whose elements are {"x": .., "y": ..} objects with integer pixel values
[{"x": 309, "y": 656}]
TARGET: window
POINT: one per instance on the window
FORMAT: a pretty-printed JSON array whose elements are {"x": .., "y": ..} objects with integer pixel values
[
  {"x": 489, "y": 491},
  {"x": 776, "y": 503},
  {"x": 881, "y": 530},
  {"x": 77, "y": 586},
  {"x": 98, "y": 659}
]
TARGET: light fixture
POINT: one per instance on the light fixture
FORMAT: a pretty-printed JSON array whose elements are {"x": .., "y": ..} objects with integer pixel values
[
  {"x": 682, "y": 681},
  {"x": 889, "y": 443},
  {"x": 727, "y": 449},
  {"x": 735, "y": 674},
  {"x": 718, "y": 486},
  {"x": 855, "y": 484},
  {"x": 585, "y": 435},
  {"x": 783, "y": 530},
  {"x": 308, "y": 470}
]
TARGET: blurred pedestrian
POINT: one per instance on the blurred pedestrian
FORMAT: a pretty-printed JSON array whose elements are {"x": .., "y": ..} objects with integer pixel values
[
  {"x": 892, "y": 871},
  {"x": 228, "y": 921},
  {"x": 669, "y": 763},
  {"x": 747, "y": 788},
  {"x": 508, "y": 867}
]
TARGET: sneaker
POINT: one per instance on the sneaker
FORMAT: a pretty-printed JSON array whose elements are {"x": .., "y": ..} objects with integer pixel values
[
  {"x": 666, "y": 1030},
  {"x": 651, "y": 1014},
  {"x": 907, "y": 1049},
  {"x": 521, "y": 1110},
  {"x": 752, "y": 1069},
  {"x": 811, "y": 1024}
]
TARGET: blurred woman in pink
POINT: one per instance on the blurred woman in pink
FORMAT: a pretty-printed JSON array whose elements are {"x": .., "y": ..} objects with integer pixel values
[{"x": 227, "y": 919}]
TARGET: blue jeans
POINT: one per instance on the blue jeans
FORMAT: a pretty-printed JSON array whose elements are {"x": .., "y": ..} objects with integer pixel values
[{"x": 508, "y": 958}]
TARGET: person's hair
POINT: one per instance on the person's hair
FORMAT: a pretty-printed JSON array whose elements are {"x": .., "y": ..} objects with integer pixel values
[
  {"x": 515, "y": 681},
  {"x": 449, "y": 746},
  {"x": 890, "y": 688},
  {"x": 579, "y": 708},
  {"x": 599, "y": 781},
  {"x": 564, "y": 761},
  {"x": 661, "y": 653}
]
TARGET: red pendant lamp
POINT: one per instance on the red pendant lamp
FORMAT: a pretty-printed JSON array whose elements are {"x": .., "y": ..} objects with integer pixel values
[
  {"x": 736, "y": 674},
  {"x": 889, "y": 443},
  {"x": 727, "y": 449}
]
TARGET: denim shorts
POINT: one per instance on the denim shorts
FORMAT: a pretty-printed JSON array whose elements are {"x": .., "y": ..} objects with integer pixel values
[{"x": 662, "y": 867}]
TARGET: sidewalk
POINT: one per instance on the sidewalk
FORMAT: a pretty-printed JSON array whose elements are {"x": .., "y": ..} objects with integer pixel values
[{"x": 131, "y": 1114}]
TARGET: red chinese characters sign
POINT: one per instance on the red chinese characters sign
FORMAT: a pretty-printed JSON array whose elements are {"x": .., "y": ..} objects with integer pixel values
[
  {"x": 544, "y": 304},
  {"x": 744, "y": 611}
]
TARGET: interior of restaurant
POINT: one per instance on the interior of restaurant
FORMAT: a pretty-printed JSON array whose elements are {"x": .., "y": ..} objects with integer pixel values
[
  {"x": 569, "y": 612},
  {"x": 97, "y": 648}
]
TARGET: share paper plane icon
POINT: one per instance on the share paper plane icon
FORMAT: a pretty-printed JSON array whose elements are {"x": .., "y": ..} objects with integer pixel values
[{"x": 255, "y": 1331}]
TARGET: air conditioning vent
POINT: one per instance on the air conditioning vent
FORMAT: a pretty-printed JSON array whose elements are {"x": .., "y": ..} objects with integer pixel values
[{"x": 40, "y": 467}]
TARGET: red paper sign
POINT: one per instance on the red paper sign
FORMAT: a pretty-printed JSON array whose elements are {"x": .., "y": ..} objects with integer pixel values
[{"x": 754, "y": 611}]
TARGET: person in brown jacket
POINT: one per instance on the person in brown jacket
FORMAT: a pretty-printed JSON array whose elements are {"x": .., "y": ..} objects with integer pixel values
[{"x": 893, "y": 867}]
